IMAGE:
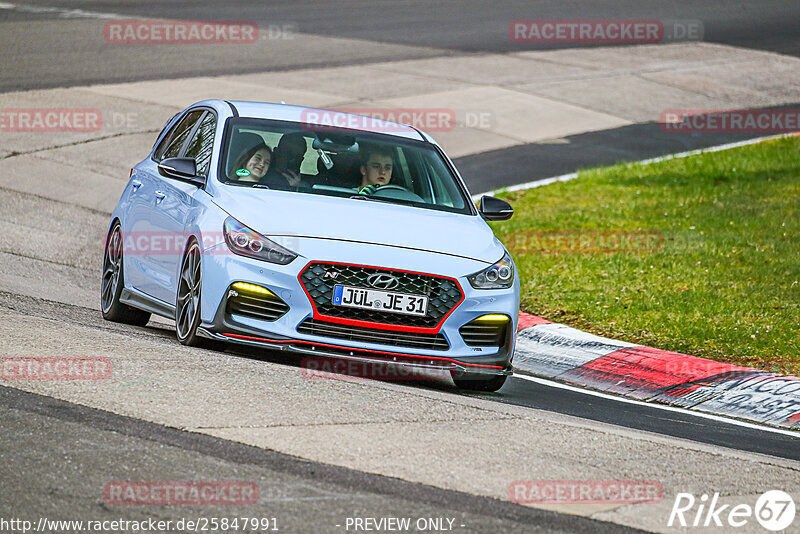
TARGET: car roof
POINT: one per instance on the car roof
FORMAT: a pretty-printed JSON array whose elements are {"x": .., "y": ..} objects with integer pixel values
[{"x": 324, "y": 117}]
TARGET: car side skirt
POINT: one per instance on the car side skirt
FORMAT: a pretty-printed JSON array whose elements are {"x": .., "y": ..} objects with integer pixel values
[{"x": 137, "y": 299}]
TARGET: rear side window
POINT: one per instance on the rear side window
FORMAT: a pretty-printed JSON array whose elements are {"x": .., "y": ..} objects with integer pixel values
[
  {"x": 171, "y": 145},
  {"x": 164, "y": 129},
  {"x": 202, "y": 143}
]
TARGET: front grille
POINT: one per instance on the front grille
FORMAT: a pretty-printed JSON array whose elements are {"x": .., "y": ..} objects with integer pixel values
[
  {"x": 257, "y": 306},
  {"x": 476, "y": 334},
  {"x": 373, "y": 335},
  {"x": 443, "y": 294}
]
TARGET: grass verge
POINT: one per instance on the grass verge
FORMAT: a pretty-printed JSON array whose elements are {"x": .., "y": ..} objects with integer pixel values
[{"x": 699, "y": 255}]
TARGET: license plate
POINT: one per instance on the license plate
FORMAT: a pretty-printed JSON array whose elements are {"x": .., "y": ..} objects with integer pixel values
[{"x": 374, "y": 299}]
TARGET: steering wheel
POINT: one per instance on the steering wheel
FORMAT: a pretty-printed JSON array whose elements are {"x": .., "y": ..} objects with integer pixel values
[
  {"x": 398, "y": 192},
  {"x": 392, "y": 187}
]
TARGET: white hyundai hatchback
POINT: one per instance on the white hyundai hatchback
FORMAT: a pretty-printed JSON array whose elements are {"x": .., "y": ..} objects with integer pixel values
[{"x": 252, "y": 223}]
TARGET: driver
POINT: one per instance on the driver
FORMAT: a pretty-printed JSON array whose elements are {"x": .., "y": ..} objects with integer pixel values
[{"x": 376, "y": 168}]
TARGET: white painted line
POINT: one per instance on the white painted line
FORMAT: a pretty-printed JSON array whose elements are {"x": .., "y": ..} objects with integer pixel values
[
  {"x": 665, "y": 407},
  {"x": 62, "y": 12},
  {"x": 713, "y": 148},
  {"x": 678, "y": 155}
]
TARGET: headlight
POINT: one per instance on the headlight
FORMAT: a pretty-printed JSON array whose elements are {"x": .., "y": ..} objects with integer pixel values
[
  {"x": 498, "y": 276},
  {"x": 247, "y": 242}
]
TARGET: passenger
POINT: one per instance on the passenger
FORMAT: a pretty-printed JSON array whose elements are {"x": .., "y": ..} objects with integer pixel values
[
  {"x": 376, "y": 168},
  {"x": 253, "y": 165},
  {"x": 284, "y": 173}
]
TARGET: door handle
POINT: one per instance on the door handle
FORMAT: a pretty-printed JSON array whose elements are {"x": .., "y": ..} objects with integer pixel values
[
  {"x": 135, "y": 185},
  {"x": 159, "y": 196}
]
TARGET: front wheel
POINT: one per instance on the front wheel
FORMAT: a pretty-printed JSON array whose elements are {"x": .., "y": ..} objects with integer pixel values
[
  {"x": 187, "y": 305},
  {"x": 477, "y": 381},
  {"x": 113, "y": 282}
]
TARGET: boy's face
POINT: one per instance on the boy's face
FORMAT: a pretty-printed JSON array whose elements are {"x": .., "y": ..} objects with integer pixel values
[{"x": 378, "y": 170}]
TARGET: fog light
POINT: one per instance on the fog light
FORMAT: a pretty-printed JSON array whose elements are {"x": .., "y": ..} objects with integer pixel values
[
  {"x": 486, "y": 331},
  {"x": 252, "y": 288},
  {"x": 493, "y": 318}
]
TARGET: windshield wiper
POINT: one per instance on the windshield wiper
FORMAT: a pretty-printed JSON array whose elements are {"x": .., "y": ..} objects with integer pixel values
[{"x": 386, "y": 200}]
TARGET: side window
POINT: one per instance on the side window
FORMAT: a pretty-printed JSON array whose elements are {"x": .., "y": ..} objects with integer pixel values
[
  {"x": 445, "y": 189},
  {"x": 412, "y": 180},
  {"x": 202, "y": 143},
  {"x": 164, "y": 129},
  {"x": 170, "y": 147},
  {"x": 434, "y": 180}
]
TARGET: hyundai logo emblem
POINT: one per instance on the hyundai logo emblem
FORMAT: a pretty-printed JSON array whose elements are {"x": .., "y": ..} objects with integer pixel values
[{"x": 383, "y": 281}]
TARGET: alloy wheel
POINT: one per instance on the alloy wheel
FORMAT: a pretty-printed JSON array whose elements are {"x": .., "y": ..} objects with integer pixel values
[
  {"x": 112, "y": 266},
  {"x": 188, "y": 303}
]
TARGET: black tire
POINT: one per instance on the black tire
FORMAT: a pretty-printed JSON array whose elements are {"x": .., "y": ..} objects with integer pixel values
[
  {"x": 113, "y": 281},
  {"x": 477, "y": 382},
  {"x": 187, "y": 300}
]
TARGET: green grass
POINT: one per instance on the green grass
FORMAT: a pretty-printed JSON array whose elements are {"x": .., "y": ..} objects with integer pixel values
[{"x": 723, "y": 284}]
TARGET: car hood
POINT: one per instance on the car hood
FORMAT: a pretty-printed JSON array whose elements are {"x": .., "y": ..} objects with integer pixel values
[{"x": 281, "y": 213}]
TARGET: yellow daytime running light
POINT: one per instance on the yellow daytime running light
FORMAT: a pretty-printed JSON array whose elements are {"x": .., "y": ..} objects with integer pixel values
[
  {"x": 494, "y": 318},
  {"x": 252, "y": 288}
]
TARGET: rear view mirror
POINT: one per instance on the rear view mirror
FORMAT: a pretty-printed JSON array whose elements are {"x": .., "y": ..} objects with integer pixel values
[
  {"x": 184, "y": 169},
  {"x": 494, "y": 209},
  {"x": 335, "y": 143}
]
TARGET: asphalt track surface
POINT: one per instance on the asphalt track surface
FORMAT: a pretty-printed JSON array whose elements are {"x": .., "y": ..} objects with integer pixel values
[
  {"x": 92, "y": 447},
  {"x": 395, "y": 30},
  {"x": 450, "y": 28},
  {"x": 75, "y": 53},
  {"x": 496, "y": 169},
  {"x": 516, "y": 391},
  {"x": 301, "y": 496}
]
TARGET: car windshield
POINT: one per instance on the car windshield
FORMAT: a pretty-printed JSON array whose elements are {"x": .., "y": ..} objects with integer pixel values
[{"x": 314, "y": 160}]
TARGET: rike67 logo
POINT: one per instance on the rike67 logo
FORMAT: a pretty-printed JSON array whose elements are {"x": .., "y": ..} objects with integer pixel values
[{"x": 774, "y": 510}]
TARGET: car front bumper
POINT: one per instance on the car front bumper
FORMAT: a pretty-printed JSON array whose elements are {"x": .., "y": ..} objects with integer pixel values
[{"x": 221, "y": 269}]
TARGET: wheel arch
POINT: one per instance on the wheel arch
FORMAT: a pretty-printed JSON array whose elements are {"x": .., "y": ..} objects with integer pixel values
[{"x": 114, "y": 220}]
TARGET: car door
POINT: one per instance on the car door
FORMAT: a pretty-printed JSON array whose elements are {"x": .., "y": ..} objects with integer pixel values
[
  {"x": 173, "y": 202},
  {"x": 142, "y": 255},
  {"x": 134, "y": 227}
]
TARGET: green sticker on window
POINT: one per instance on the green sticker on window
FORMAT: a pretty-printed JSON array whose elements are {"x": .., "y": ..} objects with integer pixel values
[{"x": 242, "y": 173}]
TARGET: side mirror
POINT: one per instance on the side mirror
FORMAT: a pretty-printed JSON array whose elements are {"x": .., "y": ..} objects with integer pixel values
[
  {"x": 494, "y": 209},
  {"x": 184, "y": 169}
]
